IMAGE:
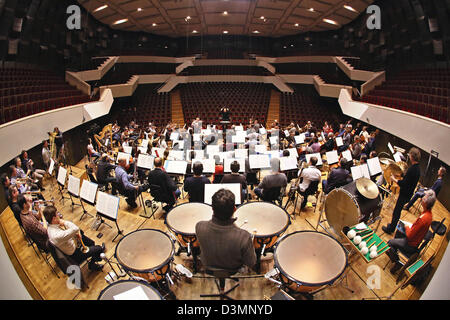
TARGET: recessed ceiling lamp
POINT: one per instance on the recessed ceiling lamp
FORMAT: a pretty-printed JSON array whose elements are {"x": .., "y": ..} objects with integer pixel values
[
  {"x": 225, "y": 13},
  {"x": 330, "y": 21},
  {"x": 194, "y": 31},
  {"x": 153, "y": 24},
  {"x": 225, "y": 31},
  {"x": 349, "y": 8},
  {"x": 311, "y": 9},
  {"x": 101, "y": 8},
  {"x": 256, "y": 31},
  {"x": 262, "y": 17},
  {"x": 139, "y": 9},
  {"x": 120, "y": 21},
  {"x": 296, "y": 24}
]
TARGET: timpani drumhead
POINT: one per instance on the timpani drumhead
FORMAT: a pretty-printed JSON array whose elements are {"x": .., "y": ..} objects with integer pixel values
[
  {"x": 310, "y": 258},
  {"x": 341, "y": 209},
  {"x": 122, "y": 286},
  {"x": 144, "y": 250},
  {"x": 183, "y": 218},
  {"x": 267, "y": 218}
]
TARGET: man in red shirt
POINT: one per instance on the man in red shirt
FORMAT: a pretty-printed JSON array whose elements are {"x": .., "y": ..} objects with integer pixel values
[{"x": 408, "y": 239}]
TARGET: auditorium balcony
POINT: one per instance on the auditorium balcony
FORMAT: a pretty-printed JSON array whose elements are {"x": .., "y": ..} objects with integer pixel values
[
  {"x": 329, "y": 72},
  {"x": 245, "y": 101},
  {"x": 226, "y": 70},
  {"x": 24, "y": 92},
  {"x": 422, "y": 91},
  {"x": 90, "y": 64},
  {"x": 305, "y": 104}
]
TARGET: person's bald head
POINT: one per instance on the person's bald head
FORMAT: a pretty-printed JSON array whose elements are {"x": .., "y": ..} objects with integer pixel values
[
  {"x": 158, "y": 162},
  {"x": 122, "y": 162}
]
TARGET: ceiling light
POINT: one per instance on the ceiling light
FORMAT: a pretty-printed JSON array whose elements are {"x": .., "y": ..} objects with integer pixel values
[
  {"x": 120, "y": 21},
  {"x": 256, "y": 31},
  {"x": 194, "y": 31},
  {"x": 153, "y": 24},
  {"x": 350, "y": 8},
  {"x": 262, "y": 17},
  {"x": 225, "y": 13},
  {"x": 225, "y": 32},
  {"x": 101, "y": 8},
  {"x": 330, "y": 21},
  {"x": 188, "y": 18},
  {"x": 139, "y": 9},
  {"x": 311, "y": 9},
  {"x": 296, "y": 24}
]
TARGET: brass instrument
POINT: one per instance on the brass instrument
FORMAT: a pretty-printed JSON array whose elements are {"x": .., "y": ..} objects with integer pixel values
[
  {"x": 105, "y": 133},
  {"x": 51, "y": 144}
]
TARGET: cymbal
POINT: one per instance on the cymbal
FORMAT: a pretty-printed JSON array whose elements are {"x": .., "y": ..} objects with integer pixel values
[{"x": 367, "y": 188}]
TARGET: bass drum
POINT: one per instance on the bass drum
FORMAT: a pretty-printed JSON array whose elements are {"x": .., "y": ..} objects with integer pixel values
[{"x": 345, "y": 206}]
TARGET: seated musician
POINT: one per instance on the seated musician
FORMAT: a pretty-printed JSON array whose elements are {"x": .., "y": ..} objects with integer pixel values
[
  {"x": 124, "y": 185},
  {"x": 91, "y": 151},
  {"x": 218, "y": 169},
  {"x": 195, "y": 185},
  {"x": 169, "y": 191},
  {"x": 6, "y": 183},
  {"x": 67, "y": 237},
  {"x": 356, "y": 148},
  {"x": 329, "y": 144},
  {"x": 276, "y": 179},
  {"x": 224, "y": 245},
  {"x": 33, "y": 222},
  {"x": 104, "y": 167},
  {"x": 236, "y": 177},
  {"x": 436, "y": 187},
  {"x": 46, "y": 154},
  {"x": 12, "y": 173},
  {"x": 338, "y": 177},
  {"x": 315, "y": 145},
  {"x": 408, "y": 238},
  {"x": 28, "y": 166},
  {"x": 307, "y": 175},
  {"x": 13, "y": 196},
  {"x": 20, "y": 174}
]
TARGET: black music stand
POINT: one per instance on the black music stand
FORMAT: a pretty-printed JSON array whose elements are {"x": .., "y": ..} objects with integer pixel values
[
  {"x": 102, "y": 218},
  {"x": 61, "y": 189}
]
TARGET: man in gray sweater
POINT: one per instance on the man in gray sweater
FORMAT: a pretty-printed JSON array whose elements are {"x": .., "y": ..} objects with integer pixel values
[
  {"x": 276, "y": 179},
  {"x": 223, "y": 245}
]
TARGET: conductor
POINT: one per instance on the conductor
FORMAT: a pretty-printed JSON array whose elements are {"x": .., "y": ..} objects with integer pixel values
[{"x": 225, "y": 114}]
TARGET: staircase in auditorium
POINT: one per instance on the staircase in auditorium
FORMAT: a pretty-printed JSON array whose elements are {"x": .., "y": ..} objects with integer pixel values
[
  {"x": 177, "y": 108},
  {"x": 274, "y": 108}
]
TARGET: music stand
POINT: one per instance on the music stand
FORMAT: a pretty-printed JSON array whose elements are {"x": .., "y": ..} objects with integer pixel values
[
  {"x": 61, "y": 181},
  {"x": 73, "y": 189},
  {"x": 108, "y": 208},
  {"x": 88, "y": 198}
]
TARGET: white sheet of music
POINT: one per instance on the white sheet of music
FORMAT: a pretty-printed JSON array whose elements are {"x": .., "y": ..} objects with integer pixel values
[
  {"x": 122, "y": 155},
  {"x": 300, "y": 139},
  {"x": 332, "y": 157},
  {"x": 127, "y": 149},
  {"x": 273, "y": 153},
  {"x": 293, "y": 152},
  {"x": 51, "y": 166},
  {"x": 286, "y": 133},
  {"x": 174, "y": 136},
  {"x": 145, "y": 161},
  {"x": 241, "y": 153},
  {"x": 199, "y": 154},
  {"x": 73, "y": 186},
  {"x": 223, "y": 155},
  {"x": 212, "y": 188},
  {"x": 206, "y": 132},
  {"x": 177, "y": 167},
  {"x": 262, "y": 131},
  {"x": 197, "y": 137},
  {"x": 374, "y": 166},
  {"x": 158, "y": 152},
  {"x": 142, "y": 149},
  {"x": 273, "y": 139},
  {"x": 62, "y": 174},
  {"x": 238, "y": 138},
  {"x": 339, "y": 141},
  {"x": 259, "y": 161},
  {"x": 288, "y": 163},
  {"x": 317, "y": 155},
  {"x": 107, "y": 205},
  {"x": 238, "y": 128},
  {"x": 361, "y": 171},
  {"x": 176, "y": 155},
  {"x": 212, "y": 149},
  {"x": 209, "y": 165},
  {"x": 144, "y": 143},
  {"x": 397, "y": 157},
  {"x": 88, "y": 191},
  {"x": 227, "y": 165},
  {"x": 390, "y": 148},
  {"x": 260, "y": 148},
  {"x": 179, "y": 144},
  {"x": 347, "y": 155}
]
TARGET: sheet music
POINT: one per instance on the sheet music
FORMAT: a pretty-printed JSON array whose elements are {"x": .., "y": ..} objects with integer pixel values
[
  {"x": 397, "y": 157},
  {"x": 339, "y": 141},
  {"x": 262, "y": 131},
  {"x": 300, "y": 139},
  {"x": 286, "y": 133},
  {"x": 228, "y": 162},
  {"x": 179, "y": 143},
  {"x": 62, "y": 174},
  {"x": 347, "y": 155},
  {"x": 317, "y": 155},
  {"x": 133, "y": 294},
  {"x": 144, "y": 143},
  {"x": 238, "y": 138},
  {"x": 241, "y": 153},
  {"x": 212, "y": 149},
  {"x": 88, "y": 191},
  {"x": 142, "y": 149},
  {"x": 199, "y": 154},
  {"x": 288, "y": 163},
  {"x": 361, "y": 171},
  {"x": 332, "y": 157},
  {"x": 212, "y": 188},
  {"x": 160, "y": 152},
  {"x": 122, "y": 155},
  {"x": 260, "y": 148},
  {"x": 223, "y": 155},
  {"x": 145, "y": 161},
  {"x": 273, "y": 153},
  {"x": 176, "y": 167},
  {"x": 374, "y": 166},
  {"x": 273, "y": 139},
  {"x": 209, "y": 165},
  {"x": 176, "y": 155},
  {"x": 127, "y": 149},
  {"x": 74, "y": 185},
  {"x": 238, "y": 128},
  {"x": 259, "y": 161},
  {"x": 174, "y": 136},
  {"x": 293, "y": 152},
  {"x": 390, "y": 148},
  {"x": 107, "y": 205},
  {"x": 51, "y": 167},
  {"x": 197, "y": 137},
  {"x": 206, "y": 132}
]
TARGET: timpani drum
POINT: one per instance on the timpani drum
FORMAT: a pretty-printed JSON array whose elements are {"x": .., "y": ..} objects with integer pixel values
[
  {"x": 146, "y": 253},
  {"x": 269, "y": 220},
  {"x": 181, "y": 220},
  {"x": 119, "y": 287},
  {"x": 308, "y": 260},
  {"x": 345, "y": 206}
]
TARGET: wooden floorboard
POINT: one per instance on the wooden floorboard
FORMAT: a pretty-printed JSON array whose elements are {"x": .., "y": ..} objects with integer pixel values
[{"x": 252, "y": 286}]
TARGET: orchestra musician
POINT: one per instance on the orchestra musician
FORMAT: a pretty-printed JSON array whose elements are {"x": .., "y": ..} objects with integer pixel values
[
  {"x": 195, "y": 185},
  {"x": 308, "y": 175},
  {"x": 407, "y": 186},
  {"x": 225, "y": 114},
  {"x": 46, "y": 154},
  {"x": 124, "y": 186},
  {"x": 104, "y": 167},
  {"x": 276, "y": 179},
  {"x": 338, "y": 177}
]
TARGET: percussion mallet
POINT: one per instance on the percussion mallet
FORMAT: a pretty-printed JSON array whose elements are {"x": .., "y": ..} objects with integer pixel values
[
  {"x": 367, "y": 241},
  {"x": 368, "y": 235},
  {"x": 371, "y": 244},
  {"x": 379, "y": 250}
]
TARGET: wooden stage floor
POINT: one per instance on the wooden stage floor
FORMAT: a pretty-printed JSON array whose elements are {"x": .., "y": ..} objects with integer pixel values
[{"x": 252, "y": 286}]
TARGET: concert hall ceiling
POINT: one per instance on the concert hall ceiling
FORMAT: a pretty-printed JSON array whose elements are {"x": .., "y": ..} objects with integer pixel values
[{"x": 270, "y": 18}]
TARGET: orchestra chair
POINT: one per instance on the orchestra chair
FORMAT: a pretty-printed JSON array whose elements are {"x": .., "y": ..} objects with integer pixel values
[
  {"x": 90, "y": 173},
  {"x": 45, "y": 254},
  {"x": 311, "y": 190},
  {"x": 407, "y": 259},
  {"x": 158, "y": 196},
  {"x": 274, "y": 195},
  {"x": 63, "y": 262},
  {"x": 220, "y": 276}
]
